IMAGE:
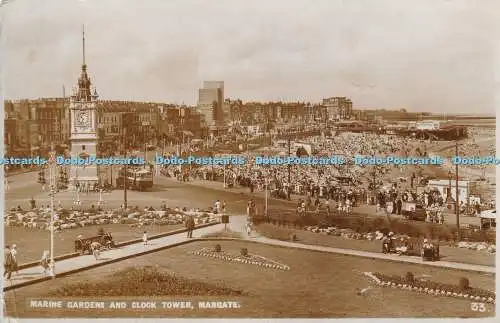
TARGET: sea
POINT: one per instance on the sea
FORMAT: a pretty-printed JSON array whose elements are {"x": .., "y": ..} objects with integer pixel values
[{"x": 486, "y": 123}]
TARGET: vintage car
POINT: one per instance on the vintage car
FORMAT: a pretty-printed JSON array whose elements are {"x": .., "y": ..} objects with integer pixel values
[{"x": 83, "y": 245}]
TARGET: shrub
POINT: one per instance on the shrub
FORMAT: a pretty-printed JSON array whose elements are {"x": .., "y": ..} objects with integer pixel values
[
  {"x": 244, "y": 252},
  {"x": 362, "y": 224},
  {"x": 463, "y": 283},
  {"x": 218, "y": 248},
  {"x": 409, "y": 277}
]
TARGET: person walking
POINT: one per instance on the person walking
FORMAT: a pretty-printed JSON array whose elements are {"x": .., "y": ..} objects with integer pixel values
[
  {"x": 7, "y": 262},
  {"x": 44, "y": 262},
  {"x": 249, "y": 228},
  {"x": 13, "y": 252},
  {"x": 145, "y": 238},
  {"x": 224, "y": 205},
  {"x": 190, "y": 226}
]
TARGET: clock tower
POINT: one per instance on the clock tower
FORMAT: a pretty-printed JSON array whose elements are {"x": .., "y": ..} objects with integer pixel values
[{"x": 83, "y": 138}]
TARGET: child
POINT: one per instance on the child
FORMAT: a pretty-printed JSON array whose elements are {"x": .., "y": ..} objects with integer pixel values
[
  {"x": 95, "y": 247},
  {"x": 145, "y": 238},
  {"x": 249, "y": 228}
]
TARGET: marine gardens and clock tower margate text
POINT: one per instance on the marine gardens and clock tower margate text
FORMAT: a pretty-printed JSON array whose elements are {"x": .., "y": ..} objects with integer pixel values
[{"x": 83, "y": 128}]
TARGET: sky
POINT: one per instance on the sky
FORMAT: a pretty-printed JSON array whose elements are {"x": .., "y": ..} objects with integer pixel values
[{"x": 425, "y": 55}]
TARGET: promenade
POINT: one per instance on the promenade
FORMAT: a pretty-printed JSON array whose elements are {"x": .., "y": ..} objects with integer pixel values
[
  {"x": 65, "y": 267},
  {"x": 33, "y": 275}
]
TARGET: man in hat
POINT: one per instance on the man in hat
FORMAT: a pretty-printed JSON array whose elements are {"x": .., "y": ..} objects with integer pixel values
[{"x": 190, "y": 226}]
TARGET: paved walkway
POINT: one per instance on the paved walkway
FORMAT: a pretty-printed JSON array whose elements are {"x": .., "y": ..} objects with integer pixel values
[
  {"x": 33, "y": 274},
  {"x": 237, "y": 224},
  {"x": 381, "y": 256}
]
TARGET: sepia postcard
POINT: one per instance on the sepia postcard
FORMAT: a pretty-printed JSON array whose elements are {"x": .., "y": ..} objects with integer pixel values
[{"x": 249, "y": 159}]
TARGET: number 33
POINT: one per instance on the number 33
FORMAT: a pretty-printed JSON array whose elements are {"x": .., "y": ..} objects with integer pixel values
[{"x": 478, "y": 307}]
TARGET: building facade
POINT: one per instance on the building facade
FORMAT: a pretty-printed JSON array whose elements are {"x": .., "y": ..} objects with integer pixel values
[
  {"x": 211, "y": 101},
  {"x": 338, "y": 108}
]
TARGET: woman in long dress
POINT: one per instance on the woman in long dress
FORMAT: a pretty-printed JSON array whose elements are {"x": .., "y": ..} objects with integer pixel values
[{"x": 13, "y": 252}]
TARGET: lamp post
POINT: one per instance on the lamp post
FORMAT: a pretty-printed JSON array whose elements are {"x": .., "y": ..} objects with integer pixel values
[
  {"x": 125, "y": 172},
  {"x": 100, "y": 202},
  {"x": 53, "y": 181},
  {"x": 76, "y": 200},
  {"x": 289, "y": 169},
  {"x": 266, "y": 184},
  {"x": 224, "y": 186},
  {"x": 449, "y": 198}
]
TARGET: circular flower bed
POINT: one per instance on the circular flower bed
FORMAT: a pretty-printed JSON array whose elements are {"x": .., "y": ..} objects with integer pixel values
[
  {"x": 433, "y": 288},
  {"x": 248, "y": 259}
]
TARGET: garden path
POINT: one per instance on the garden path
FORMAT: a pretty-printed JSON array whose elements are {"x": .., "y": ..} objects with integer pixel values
[{"x": 237, "y": 223}]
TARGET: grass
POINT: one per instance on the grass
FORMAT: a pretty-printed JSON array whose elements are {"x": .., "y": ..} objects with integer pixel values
[
  {"x": 32, "y": 242},
  {"x": 319, "y": 285},
  {"x": 223, "y": 234},
  {"x": 447, "y": 253}
]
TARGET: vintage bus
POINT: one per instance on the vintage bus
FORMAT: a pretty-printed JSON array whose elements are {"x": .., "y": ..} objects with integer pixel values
[{"x": 137, "y": 178}]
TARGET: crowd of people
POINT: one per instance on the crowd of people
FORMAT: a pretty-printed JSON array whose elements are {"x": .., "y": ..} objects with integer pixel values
[
  {"x": 326, "y": 182},
  {"x": 323, "y": 184}
]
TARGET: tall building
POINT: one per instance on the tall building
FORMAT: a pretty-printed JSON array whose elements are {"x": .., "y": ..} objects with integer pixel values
[
  {"x": 83, "y": 138},
  {"x": 210, "y": 102},
  {"x": 338, "y": 108},
  {"x": 215, "y": 85}
]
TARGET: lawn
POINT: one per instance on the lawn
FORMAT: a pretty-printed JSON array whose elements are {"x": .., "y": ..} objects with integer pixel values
[
  {"x": 447, "y": 253},
  {"x": 32, "y": 242},
  {"x": 318, "y": 285}
]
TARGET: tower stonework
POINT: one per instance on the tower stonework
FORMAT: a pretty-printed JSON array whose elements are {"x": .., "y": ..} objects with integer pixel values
[{"x": 83, "y": 138}]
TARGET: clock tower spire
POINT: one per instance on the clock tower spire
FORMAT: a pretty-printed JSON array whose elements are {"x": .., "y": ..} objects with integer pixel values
[{"x": 83, "y": 127}]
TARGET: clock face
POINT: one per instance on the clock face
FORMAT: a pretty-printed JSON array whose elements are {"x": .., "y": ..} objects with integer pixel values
[{"x": 82, "y": 118}]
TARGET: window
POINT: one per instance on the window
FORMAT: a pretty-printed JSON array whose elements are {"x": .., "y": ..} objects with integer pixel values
[{"x": 83, "y": 147}]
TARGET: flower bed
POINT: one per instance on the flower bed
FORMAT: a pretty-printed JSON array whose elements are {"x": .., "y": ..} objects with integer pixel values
[
  {"x": 144, "y": 282},
  {"x": 433, "y": 288},
  {"x": 249, "y": 259},
  {"x": 73, "y": 219}
]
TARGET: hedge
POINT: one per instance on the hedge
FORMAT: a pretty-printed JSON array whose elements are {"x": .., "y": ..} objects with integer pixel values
[{"x": 365, "y": 224}]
